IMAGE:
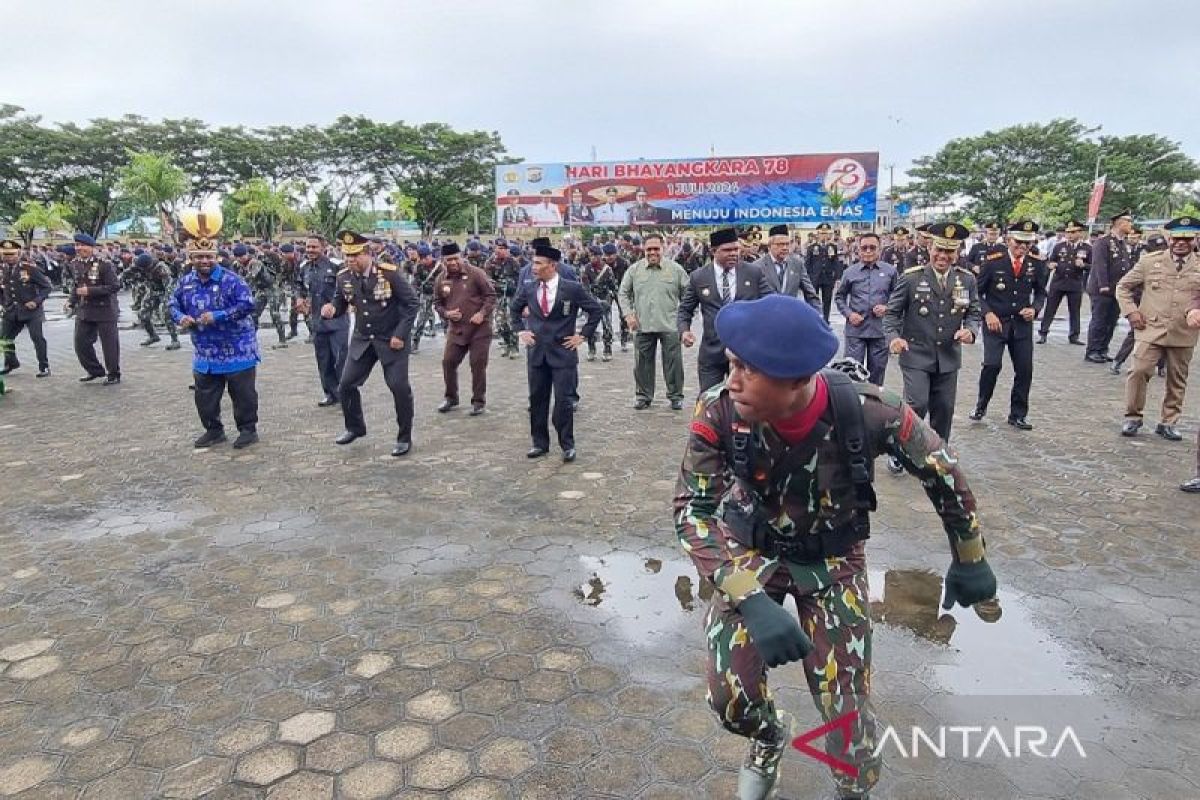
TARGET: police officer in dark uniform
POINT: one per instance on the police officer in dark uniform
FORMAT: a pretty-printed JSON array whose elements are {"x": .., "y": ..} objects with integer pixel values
[
  {"x": 932, "y": 312},
  {"x": 901, "y": 253},
  {"x": 824, "y": 266},
  {"x": 1070, "y": 260},
  {"x": 317, "y": 288},
  {"x": 1111, "y": 259},
  {"x": 23, "y": 290},
  {"x": 94, "y": 300},
  {"x": 1012, "y": 289},
  {"x": 981, "y": 250},
  {"x": 385, "y": 306}
]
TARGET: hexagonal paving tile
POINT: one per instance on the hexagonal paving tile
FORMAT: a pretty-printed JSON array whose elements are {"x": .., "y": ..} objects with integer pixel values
[
  {"x": 32, "y": 668},
  {"x": 275, "y": 600},
  {"x": 374, "y": 779},
  {"x": 243, "y": 737},
  {"x": 336, "y": 752},
  {"x": 480, "y": 789},
  {"x": 212, "y": 643},
  {"x": 195, "y": 778},
  {"x": 439, "y": 769},
  {"x": 26, "y": 773},
  {"x": 266, "y": 765},
  {"x": 302, "y": 786},
  {"x": 26, "y": 649},
  {"x": 306, "y": 726},
  {"x": 404, "y": 741},
  {"x": 434, "y": 705},
  {"x": 166, "y": 749},
  {"x": 97, "y": 760},
  {"x": 506, "y": 758},
  {"x": 371, "y": 664}
]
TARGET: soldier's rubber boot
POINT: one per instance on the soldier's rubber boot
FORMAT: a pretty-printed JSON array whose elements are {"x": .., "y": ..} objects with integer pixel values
[
  {"x": 760, "y": 770},
  {"x": 282, "y": 345},
  {"x": 152, "y": 338},
  {"x": 591, "y": 356},
  {"x": 607, "y": 354},
  {"x": 174, "y": 345}
]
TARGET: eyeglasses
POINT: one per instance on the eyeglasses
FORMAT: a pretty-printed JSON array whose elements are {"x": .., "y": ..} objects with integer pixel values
[{"x": 868, "y": 247}]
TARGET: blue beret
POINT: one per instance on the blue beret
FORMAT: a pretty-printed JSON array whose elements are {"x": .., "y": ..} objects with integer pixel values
[
  {"x": 166, "y": 248},
  {"x": 144, "y": 260},
  {"x": 609, "y": 249},
  {"x": 239, "y": 250},
  {"x": 473, "y": 245},
  {"x": 66, "y": 249},
  {"x": 287, "y": 248},
  {"x": 423, "y": 250},
  {"x": 635, "y": 240},
  {"x": 501, "y": 243},
  {"x": 83, "y": 238},
  {"x": 595, "y": 250},
  {"x": 137, "y": 251},
  {"x": 779, "y": 335}
]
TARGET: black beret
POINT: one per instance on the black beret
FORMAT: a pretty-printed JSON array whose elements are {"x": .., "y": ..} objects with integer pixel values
[{"x": 722, "y": 236}]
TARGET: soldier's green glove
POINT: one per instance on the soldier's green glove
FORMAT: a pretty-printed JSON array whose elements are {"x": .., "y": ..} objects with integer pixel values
[
  {"x": 967, "y": 584},
  {"x": 774, "y": 632}
]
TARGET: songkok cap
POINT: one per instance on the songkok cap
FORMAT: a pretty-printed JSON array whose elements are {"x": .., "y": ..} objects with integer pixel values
[
  {"x": 1024, "y": 231},
  {"x": 722, "y": 236},
  {"x": 778, "y": 230},
  {"x": 450, "y": 249},
  {"x": 546, "y": 251},
  {"x": 1183, "y": 228},
  {"x": 948, "y": 235},
  {"x": 778, "y": 335}
]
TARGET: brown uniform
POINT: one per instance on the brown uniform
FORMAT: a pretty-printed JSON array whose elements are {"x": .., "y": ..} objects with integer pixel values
[
  {"x": 96, "y": 315},
  {"x": 1168, "y": 289},
  {"x": 470, "y": 292}
]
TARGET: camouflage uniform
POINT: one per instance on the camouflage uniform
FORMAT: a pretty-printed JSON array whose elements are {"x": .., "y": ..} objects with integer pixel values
[
  {"x": 619, "y": 266},
  {"x": 289, "y": 278},
  {"x": 134, "y": 280},
  {"x": 601, "y": 281},
  {"x": 423, "y": 280},
  {"x": 818, "y": 504},
  {"x": 263, "y": 277},
  {"x": 504, "y": 274},
  {"x": 159, "y": 284}
]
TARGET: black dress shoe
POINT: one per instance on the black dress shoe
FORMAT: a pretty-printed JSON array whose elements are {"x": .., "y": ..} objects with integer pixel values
[
  {"x": 8, "y": 369},
  {"x": 894, "y": 466},
  {"x": 677, "y": 405},
  {"x": 401, "y": 449},
  {"x": 1095, "y": 358},
  {"x": 1075, "y": 340},
  {"x": 1115, "y": 368},
  {"x": 568, "y": 455},
  {"x": 1131, "y": 427},
  {"x": 536, "y": 452},
  {"x": 1191, "y": 487},
  {"x": 328, "y": 400},
  {"x": 446, "y": 405},
  {"x": 1020, "y": 424},
  {"x": 574, "y": 405},
  {"x": 43, "y": 373},
  {"x": 245, "y": 439},
  {"x": 347, "y": 437},
  {"x": 174, "y": 345},
  {"x": 1167, "y": 432},
  {"x": 90, "y": 378},
  {"x": 475, "y": 411},
  {"x": 641, "y": 405},
  {"x": 1041, "y": 338},
  {"x": 112, "y": 380},
  {"x": 150, "y": 341},
  {"x": 208, "y": 439},
  {"x": 977, "y": 413}
]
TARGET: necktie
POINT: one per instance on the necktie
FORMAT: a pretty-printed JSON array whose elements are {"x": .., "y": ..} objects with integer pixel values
[
  {"x": 725, "y": 285},
  {"x": 1179, "y": 264},
  {"x": 1017, "y": 268},
  {"x": 780, "y": 269},
  {"x": 545, "y": 299}
]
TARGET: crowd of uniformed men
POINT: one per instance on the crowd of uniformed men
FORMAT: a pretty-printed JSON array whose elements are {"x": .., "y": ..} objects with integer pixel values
[{"x": 916, "y": 295}]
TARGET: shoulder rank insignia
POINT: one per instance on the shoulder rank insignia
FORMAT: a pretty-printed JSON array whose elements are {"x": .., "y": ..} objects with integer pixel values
[{"x": 914, "y": 269}]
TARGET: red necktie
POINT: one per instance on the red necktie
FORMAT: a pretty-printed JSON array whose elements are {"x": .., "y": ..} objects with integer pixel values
[
  {"x": 1017, "y": 268},
  {"x": 545, "y": 299}
]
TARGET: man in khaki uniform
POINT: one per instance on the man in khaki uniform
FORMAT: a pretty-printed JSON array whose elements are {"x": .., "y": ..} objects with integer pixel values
[
  {"x": 1168, "y": 281},
  {"x": 1192, "y": 486}
]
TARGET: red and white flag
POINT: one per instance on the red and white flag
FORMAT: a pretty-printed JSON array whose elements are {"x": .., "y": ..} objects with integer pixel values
[{"x": 1096, "y": 198}]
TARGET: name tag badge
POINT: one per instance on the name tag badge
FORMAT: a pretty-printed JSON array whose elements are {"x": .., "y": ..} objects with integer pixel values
[{"x": 567, "y": 307}]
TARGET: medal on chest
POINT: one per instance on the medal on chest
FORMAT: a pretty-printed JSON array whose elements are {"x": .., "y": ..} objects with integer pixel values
[
  {"x": 93, "y": 273},
  {"x": 348, "y": 289},
  {"x": 383, "y": 289}
]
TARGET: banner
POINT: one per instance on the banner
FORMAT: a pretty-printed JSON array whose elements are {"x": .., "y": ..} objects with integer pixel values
[
  {"x": 743, "y": 190},
  {"x": 1096, "y": 198}
]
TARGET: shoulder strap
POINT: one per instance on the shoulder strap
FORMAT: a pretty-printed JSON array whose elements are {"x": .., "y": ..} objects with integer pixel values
[{"x": 850, "y": 430}]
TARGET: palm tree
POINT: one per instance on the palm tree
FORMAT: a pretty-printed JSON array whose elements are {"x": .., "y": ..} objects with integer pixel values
[
  {"x": 264, "y": 209},
  {"x": 50, "y": 216},
  {"x": 153, "y": 179}
]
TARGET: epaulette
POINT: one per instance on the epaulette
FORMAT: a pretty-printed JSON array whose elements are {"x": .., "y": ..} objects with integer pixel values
[
  {"x": 344, "y": 269},
  {"x": 383, "y": 265},
  {"x": 991, "y": 256},
  {"x": 964, "y": 270},
  {"x": 917, "y": 268}
]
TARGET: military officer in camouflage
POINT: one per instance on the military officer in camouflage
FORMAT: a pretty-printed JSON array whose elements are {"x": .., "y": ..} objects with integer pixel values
[
  {"x": 263, "y": 277},
  {"x": 156, "y": 277},
  {"x": 773, "y": 500}
]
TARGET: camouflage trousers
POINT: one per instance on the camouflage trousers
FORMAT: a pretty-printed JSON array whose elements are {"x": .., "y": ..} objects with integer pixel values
[
  {"x": 154, "y": 305},
  {"x": 426, "y": 321},
  {"x": 831, "y": 596},
  {"x": 606, "y": 328},
  {"x": 272, "y": 300},
  {"x": 503, "y": 326}
]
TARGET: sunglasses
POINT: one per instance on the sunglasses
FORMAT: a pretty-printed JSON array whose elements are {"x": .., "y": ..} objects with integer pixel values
[{"x": 868, "y": 247}]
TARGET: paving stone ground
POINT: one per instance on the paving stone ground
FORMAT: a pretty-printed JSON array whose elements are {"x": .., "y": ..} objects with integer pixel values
[{"x": 301, "y": 620}]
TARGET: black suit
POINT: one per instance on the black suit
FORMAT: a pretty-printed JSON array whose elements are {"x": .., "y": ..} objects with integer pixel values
[
  {"x": 21, "y": 284},
  {"x": 550, "y": 363},
  {"x": 318, "y": 285},
  {"x": 1003, "y": 293},
  {"x": 704, "y": 290}
]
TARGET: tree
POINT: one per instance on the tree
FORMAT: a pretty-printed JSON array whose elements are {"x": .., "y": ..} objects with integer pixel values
[
  {"x": 1142, "y": 172},
  {"x": 1047, "y": 208},
  {"x": 153, "y": 179},
  {"x": 51, "y": 217},
  {"x": 265, "y": 210},
  {"x": 992, "y": 171}
]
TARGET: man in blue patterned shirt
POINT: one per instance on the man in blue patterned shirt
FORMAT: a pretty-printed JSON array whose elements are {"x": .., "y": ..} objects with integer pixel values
[{"x": 216, "y": 307}]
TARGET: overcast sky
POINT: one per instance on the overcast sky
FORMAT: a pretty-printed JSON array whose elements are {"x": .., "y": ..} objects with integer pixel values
[{"x": 633, "y": 78}]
